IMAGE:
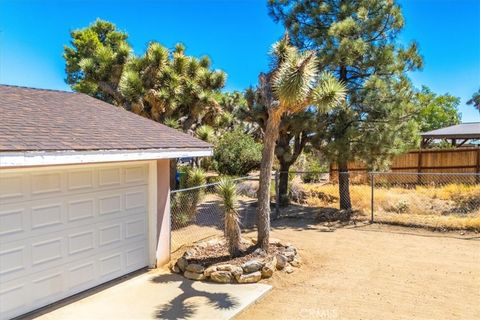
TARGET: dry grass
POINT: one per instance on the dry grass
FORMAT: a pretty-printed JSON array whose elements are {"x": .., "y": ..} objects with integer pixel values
[{"x": 451, "y": 206}]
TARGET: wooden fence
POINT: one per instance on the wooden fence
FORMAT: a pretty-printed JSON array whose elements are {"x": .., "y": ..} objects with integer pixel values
[{"x": 462, "y": 160}]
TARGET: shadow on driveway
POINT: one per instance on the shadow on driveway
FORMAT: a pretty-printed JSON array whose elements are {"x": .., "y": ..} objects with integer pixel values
[{"x": 184, "y": 305}]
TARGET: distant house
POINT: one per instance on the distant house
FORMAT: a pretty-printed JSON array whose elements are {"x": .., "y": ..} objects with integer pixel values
[{"x": 84, "y": 194}]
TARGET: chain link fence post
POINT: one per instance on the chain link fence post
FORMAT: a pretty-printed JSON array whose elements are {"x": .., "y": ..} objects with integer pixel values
[{"x": 372, "y": 199}]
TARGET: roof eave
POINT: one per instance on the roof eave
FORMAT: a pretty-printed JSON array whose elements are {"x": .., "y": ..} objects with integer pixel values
[
  {"x": 450, "y": 136},
  {"x": 48, "y": 158}
]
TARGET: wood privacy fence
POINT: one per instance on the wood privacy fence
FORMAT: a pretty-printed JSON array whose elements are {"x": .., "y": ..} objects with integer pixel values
[{"x": 462, "y": 160}]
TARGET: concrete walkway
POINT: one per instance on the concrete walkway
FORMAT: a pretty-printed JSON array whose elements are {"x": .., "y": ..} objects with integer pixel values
[{"x": 160, "y": 295}]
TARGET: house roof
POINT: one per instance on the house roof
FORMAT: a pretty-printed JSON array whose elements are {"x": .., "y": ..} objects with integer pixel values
[
  {"x": 48, "y": 120},
  {"x": 468, "y": 130}
]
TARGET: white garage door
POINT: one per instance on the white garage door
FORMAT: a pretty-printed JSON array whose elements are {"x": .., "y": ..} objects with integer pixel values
[{"x": 66, "y": 229}]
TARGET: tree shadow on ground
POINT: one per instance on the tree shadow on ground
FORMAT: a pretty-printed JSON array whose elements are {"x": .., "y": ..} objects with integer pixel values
[{"x": 183, "y": 306}]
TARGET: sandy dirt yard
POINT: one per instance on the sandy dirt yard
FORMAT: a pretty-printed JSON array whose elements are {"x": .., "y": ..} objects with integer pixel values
[{"x": 374, "y": 272}]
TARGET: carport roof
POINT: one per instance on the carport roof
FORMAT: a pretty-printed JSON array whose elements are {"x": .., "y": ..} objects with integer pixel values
[
  {"x": 468, "y": 130},
  {"x": 48, "y": 120}
]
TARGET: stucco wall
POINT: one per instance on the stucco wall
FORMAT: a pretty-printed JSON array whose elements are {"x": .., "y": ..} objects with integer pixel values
[{"x": 163, "y": 212}]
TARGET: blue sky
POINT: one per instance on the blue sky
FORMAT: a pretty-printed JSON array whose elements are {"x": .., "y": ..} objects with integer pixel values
[{"x": 235, "y": 34}]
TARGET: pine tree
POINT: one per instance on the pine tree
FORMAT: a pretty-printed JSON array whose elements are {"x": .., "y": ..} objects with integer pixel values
[{"x": 356, "y": 40}]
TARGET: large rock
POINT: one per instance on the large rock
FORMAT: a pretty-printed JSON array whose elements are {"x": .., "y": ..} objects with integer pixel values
[
  {"x": 252, "y": 266},
  {"x": 182, "y": 264},
  {"x": 281, "y": 261},
  {"x": 276, "y": 242},
  {"x": 260, "y": 252},
  {"x": 290, "y": 255},
  {"x": 175, "y": 269},
  {"x": 296, "y": 262},
  {"x": 225, "y": 267},
  {"x": 250, "y": 277},
  {"x": 207, "y": 272},
  {"x": 269, "y": 268},
  {"x": 288, "y": 269},
  {"x": 197, "y": 268},
  {"x": 221, "y": 276},
  {"x": 235, "y": 270},
  {"x": 291, "y": 249},
  {"x": 194, "y": 275}
]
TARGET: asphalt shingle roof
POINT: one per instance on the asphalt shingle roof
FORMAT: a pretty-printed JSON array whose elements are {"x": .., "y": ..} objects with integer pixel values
[{"x": 38, "y": 119}]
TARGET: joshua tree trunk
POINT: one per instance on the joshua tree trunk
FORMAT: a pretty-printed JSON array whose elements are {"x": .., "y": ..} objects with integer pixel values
[
  {"x": 344, "y": 186},
  {"x": 263, "y": 211},
  {"x": 283, "y": 182}
]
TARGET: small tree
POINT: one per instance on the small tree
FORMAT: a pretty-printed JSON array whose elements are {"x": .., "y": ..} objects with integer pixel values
[
  {"x": 436, "y": 111},
  {"x": 237, "y": 153},
  {"x": 228, "y": 192}
]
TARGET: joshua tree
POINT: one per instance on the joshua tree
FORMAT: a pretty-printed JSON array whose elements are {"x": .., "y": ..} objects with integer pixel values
[
  {"x": 227, "y": 191},
  {"x": 292, "y": 85}
]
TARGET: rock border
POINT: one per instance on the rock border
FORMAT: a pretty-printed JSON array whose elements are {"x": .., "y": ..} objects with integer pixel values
[{"x": 251, "y": 271}]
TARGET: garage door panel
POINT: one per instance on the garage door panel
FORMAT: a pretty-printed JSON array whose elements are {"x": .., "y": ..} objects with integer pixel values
[
  {"x": 136, "y": 174},
  {"x": 12, "y": 220},
  {"x": 110, "y": 233},
  {"x": 135, "y": 228},
  {"x": 79, "y": 242},
  {"x": 13, "y": 297},
  {"x": 81, "y": 208},
  {"x": 47, "y": 214},
  {"x": 110, "y": 177},
  {"x": 12, "y": 260},
  {"x": 13, "y": 187},
  {"x": 47, "y": 184},
  {"x": 82, "y": 273},
  {"x": 46, "y": 251},
  {"x": 65, "y": 230},
  {"x": 110, "y": 204},
  {"x": 82, "y": 179},
  {"x": 135, "y": 257}
]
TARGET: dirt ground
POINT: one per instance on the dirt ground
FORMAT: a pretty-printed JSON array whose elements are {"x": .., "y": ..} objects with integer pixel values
[{"x": 374, "y": 272}]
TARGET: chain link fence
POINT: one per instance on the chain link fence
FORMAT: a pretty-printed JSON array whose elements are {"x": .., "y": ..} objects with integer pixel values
[
  {"x": 440, "y": 201},
  {"x": 431, "y": 200},
  {"x": 196, "y": 212}
]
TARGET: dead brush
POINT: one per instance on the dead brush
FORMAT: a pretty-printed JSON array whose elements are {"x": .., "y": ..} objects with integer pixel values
[{"x": 451, "y": 206}]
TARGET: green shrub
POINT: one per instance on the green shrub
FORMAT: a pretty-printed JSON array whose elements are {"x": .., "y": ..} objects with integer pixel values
[
  {"x": 237, "y": 153},
  {"x": 184, "y": 203}
]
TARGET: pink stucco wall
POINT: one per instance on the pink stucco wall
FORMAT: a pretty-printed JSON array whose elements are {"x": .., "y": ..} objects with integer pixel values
[{"x": 163, "y": 212}]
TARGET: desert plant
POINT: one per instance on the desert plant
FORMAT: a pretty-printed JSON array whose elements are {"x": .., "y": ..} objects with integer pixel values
[
  {"x": 205, "y": 133},
  {"x": 172, "y": 123},
  {"x": 184, "y": 204},
  {"x": 228, "y": 192},
  {"x": 293, "y": 85}
]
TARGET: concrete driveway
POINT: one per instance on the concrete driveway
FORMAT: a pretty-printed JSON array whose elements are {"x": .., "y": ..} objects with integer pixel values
[{"x": 158, "y": 295}]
